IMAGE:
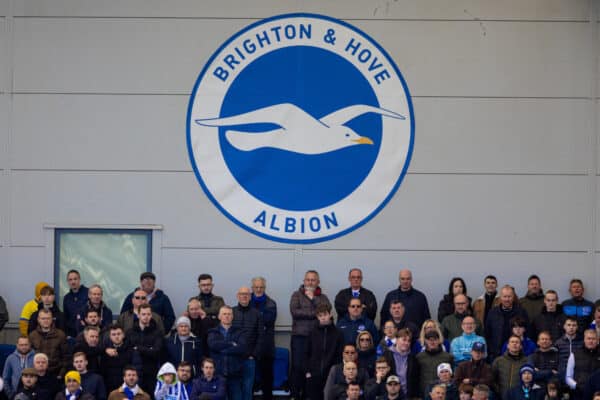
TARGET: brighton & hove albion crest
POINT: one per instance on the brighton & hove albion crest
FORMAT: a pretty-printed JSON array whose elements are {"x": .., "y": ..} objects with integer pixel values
[{"x": 300, "y": 128}]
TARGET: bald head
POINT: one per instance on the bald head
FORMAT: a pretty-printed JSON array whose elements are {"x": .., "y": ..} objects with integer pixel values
[
  {"x": 244, "y": 296},
  {"x": 405, "y": 279}
]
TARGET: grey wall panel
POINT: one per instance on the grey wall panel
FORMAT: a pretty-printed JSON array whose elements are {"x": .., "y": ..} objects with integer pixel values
[
  {"x": 22, "y": 262},
  {"x": 454, "y": 58},
  {"x": 410, "y": 9},
  {"x": 430, "y": 212},
  {"x": 4, "y": 127},
  {"x": 502, "y": 135},
  {"x": 100, "y": 132},
  {"x": 432, "y": 271},
  {"x": 480, "y": 212},
  {"x": 148, "y": 133},
  {"x": 4, "y": 7},
  {"x": 230, "y": 270},
  {"x": 174, "y": 200},
  {"x": 4, "y": 64},
  {"x": 4, "y": 210},
  {"x": 156, "y": 55},
  {"x": 488, "y": 58}
]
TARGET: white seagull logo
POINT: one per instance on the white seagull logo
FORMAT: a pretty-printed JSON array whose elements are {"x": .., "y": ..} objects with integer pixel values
[{"x": 299, "y": 131}]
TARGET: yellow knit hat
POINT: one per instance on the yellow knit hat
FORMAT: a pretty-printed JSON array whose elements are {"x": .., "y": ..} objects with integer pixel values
[
  {"x": 38, "y": 288},
  {"x": 73, "y": 375}
]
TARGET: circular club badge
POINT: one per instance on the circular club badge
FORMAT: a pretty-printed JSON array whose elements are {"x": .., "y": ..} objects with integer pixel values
[{"x": 300, "y": 128}]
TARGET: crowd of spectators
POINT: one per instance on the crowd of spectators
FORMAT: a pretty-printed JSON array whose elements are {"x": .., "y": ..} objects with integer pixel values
[{"x": 498, "y": 346}]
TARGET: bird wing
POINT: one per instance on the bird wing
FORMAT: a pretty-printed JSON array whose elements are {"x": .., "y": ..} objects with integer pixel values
[
  {"x": 284, "y": 114},
  {"x": 346, "y": 114}
]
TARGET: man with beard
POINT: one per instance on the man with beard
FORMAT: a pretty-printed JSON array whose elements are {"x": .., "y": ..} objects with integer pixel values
[
  {"x": 15, "y": 363},
  {"x": 129, "y": 390},
  {"x": 533, "y": 301},
  {"x": 211, "y": 303},
  {"x": 90, "y": 346}
]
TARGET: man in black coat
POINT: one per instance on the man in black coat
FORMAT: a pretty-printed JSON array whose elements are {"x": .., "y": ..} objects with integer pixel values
[
  {"x": 90, "y": 382},
  {"x": 367, "y": 298},
  {"x": 249, "y": 320},
  {"x": 551, "y": 318},
  {"x": 118, "y": 353},
  {"x": 415, "y": 302},
  {"x": 324, "y": 349},
  {"x": 266, "y": 357},
  {"x": 497, "y": 325},
  {"x": 147, "y": 340}
]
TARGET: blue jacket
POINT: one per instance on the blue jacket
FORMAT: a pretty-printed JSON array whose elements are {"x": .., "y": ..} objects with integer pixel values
[
  {"x": 12, "y": 371},
  {"x": 190, "y": 350},
  {"x": 415, "y": 303},
  {"x": 72, "y": 303},
  {"x": 582, "y": 309},
  {"x": 213, "y": 389},
  {"x": 228, "y": 349},
  {"x": 460, "y": 347},
  {"x": 529, "y": 346},
  {"x": 350, "y": 328},
  {"x": 161, "y": 304}
]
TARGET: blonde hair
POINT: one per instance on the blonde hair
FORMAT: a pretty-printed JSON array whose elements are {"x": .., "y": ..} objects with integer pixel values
[{"x": 437, "y": 328}]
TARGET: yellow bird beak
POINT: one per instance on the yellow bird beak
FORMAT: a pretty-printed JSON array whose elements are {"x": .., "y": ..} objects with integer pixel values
[{"x": 363, "y": 140}]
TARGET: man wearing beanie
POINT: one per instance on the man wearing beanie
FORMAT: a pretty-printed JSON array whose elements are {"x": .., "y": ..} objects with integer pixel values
[
  {"x": 525, "y": 389},
  {"x": 444, "y": 373},
  {"x": 73, "y": 389},
  {"x": 29, "y": 308},
  {"x": 183, "y": 345}
]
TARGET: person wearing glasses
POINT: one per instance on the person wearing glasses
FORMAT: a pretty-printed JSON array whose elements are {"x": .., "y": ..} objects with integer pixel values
[
  {"x": 336, "y": 373},
  {"x": 130, "y": 318},
  {"x": 160, "y": 302},
  {"x": 452, "y": 324},
  {"x": 367, "y": 298},
  {"x": 354, "y": 322},
  {"x": 249, "y": 321}
]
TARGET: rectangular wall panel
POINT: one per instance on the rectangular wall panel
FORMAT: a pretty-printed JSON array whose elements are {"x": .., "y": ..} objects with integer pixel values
[
  {"x": 429, "y": 212},
  {"x": 432, "y": 271},
  {"x": 413, "y": 9},
  {"x": 25, "y": 268},
  {"x": 4, "y": 208},
  {"x": 100, "y": 132},
  {"x": 4, "y": 63},
  {"x": 454, "y": 58},
  {"x": 4, "y": 128},
  {"x": 452, "y": 135},
  {"x": 230, "y": 271}
]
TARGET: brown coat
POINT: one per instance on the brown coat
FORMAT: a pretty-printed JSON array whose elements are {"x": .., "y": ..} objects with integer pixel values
[
  {"x": 118, "y": 394},
  {"x": 54, "y": 345},
  {"x": 479, "y": 308}
]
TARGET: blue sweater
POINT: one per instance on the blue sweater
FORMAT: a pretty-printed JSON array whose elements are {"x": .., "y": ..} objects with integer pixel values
[{"x": 213, "y": 389}]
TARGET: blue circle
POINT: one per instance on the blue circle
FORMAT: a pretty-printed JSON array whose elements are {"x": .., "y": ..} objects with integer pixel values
[
  {"x": 315, "y": 80},
  {"x": 250, "y": 228}
]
